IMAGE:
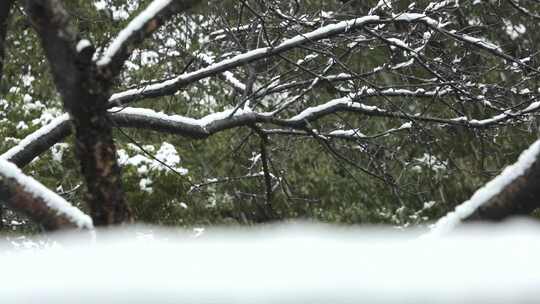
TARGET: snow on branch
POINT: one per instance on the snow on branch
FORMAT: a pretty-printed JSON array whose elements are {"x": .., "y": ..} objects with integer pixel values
[
  {"x": 350, "y": 134},
  {"x": 144, "y": 24},
  {"x": 45, "y": 137},
  {"x": 478, "y": 42},
  {"x": 136, "y": 25},
  {"x": 523, "y": 10},
  {"x": 39, "y": 141},
  {"x": 514, "y": 191},
  {"x": 24, "y": 194},
  {"x": 227, "y": 75},
  {"x": 182, "y": 125},
  {"x": 172, "y": 85}
]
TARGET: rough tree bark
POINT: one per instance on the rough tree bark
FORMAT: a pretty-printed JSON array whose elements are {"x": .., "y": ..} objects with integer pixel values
[
  {"x": 520, "y": 197},
  {"x": 18, "y": 199},
  {"x": 36, "y": 209},
  {"x": 85, "y": 92},
  {"x": 25, "y": 195}
]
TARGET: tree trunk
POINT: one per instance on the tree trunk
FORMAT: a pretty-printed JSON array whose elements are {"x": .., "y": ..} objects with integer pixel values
[{"x": 85, "y": 93}]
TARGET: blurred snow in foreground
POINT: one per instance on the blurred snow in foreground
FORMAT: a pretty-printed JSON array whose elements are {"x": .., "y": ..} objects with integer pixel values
[{"x": 277, "y": 264}]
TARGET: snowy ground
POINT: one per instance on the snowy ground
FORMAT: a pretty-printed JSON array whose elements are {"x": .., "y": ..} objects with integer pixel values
[{"x": 278, "y": 264}]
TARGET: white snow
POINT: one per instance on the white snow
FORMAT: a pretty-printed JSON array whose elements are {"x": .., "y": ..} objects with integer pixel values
[
  {"x": 489, "y": 190},
  {"x": 324, "y": 31},
  {"x": 134, "y": 26},
  {"x": 316, "y": 109},
  {"x": 53, "y": 200},
  {"x": 431, "y": 162},
  {"x": 532, "y": 107},
  {"x": 339, "y": 102},
  {"x": 514, "y": 31},
  {"x": 403, "y": 64},
  {"x": 165, "y": 158},
  {"x": 399, "y": 43},
  {"x": 351, "y": 132},
  {"x": 409, "y": 17},
  {"x": 435, "y": 6},
  {"x": 486, "y": 121},
  {"x": 246, "y": 57},
  {"x": 285, "y": 264},
  {"x": 82, "y": 44},
  {"x": 21, "y": 126},
  {"x": 32, "y": 137},
  {"x": 57, "y": 151},
  {"x": 145, "y": 184},
  {"x": 229, "y": 76},
  {"x": 478, "y": 41},
  {"x": 202, "y": 122},
  {"x": 406, "y": 125}
]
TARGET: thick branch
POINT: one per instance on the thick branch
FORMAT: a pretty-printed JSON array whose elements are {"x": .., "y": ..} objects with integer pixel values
[
  {"x": 520, "y": 197},
  {"x": 24, "y": 194},
  {"x": 515, "y": 191},
  {"x": 39, "y": 141},
  {"x": 141, "y": 27},
  {"x": 42, "y": 139}
]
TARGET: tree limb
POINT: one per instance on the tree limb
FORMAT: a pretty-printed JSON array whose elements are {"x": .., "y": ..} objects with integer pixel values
[
  {"x": 513, "y": 192},
  {"x": 169, "y": 87},
  {"x": 141, "y": 27},
  {"x": 39, "y": 141},
  {"x": 24, "y": 194},
  {"x": 139, "y": 118},
  {"x": 519, "y": 197}
]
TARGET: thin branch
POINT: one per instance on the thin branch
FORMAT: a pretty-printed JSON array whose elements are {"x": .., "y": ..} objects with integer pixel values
[
  {"x": 266, "y": 170},
  {"x": 169, "y": 87}
]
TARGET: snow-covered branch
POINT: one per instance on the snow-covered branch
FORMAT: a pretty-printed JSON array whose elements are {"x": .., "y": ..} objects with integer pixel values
[
  {"x": 227, "y": 75},
  {"x": 477, "y": 42},
  {"x": 515, "y": 191},
  {"x": 523, "y": 10},
  {"x": 170, "y": 86},
  {"x": 38, "y": 141},
  {"x": 24, "y": 194},
  {"x": 348, "y": 134},
  {"x": 142, "y": 26},
  {"x": 44, "y": 138}
]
